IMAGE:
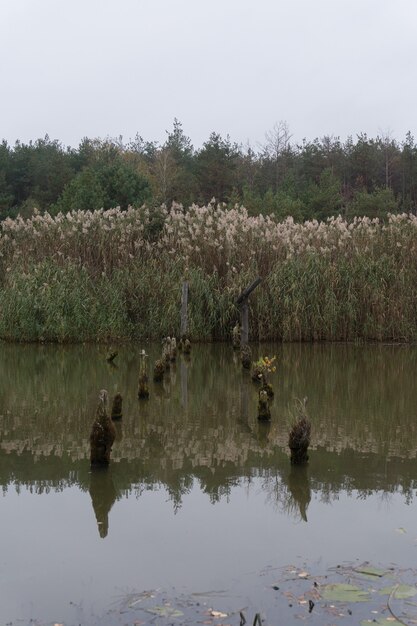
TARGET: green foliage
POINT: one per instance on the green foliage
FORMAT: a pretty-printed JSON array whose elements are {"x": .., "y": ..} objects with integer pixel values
[
  {"x": 378, "y": 203},
  {"x": 315, "y": 179},
  {"x": 107, "y": 186},
  {"x": 323, "y": 199}
]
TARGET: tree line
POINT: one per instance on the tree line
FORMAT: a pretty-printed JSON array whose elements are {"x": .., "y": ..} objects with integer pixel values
[{"x": 311, "y": 179}]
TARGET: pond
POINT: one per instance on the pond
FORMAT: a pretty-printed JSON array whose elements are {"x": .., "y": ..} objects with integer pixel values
[{"x": 200, "y": 505}]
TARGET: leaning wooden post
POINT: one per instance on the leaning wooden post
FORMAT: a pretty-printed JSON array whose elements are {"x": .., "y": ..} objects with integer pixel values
[
  {"x": 243, "y": 305},
  {"x": 184, "y": 309}
]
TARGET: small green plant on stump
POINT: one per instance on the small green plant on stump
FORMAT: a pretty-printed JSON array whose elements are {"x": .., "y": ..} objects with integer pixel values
[
  {"x": 264, "y": 412},
  {"x": 236, "y": 336},
  {"x": 103, "y": 434},
  {"x": 116, "y": 410},
  {"x": 261, "y": 369},
  {"x": 143, "y": 390},
  {"x": 299, "y": 436},
  {"x": 246, "y": 356},
  {"x": 158, "y": 371}
]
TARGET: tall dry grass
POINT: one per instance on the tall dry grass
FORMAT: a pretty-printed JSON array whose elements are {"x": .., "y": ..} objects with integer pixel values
[{"x": 108, "y": 275}]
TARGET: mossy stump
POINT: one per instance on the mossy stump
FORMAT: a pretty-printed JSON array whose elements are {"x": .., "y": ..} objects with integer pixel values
[
  {"x": 299, "y": 441},
  {"x": 158, "y": 371},
  {"x": 103, "y": 434},
  {"x": 116, "y": 409},
  {"x": 143, "y": 389},
  {"x": 268, "y": 388},
  {"x": 264, "y": 412}
]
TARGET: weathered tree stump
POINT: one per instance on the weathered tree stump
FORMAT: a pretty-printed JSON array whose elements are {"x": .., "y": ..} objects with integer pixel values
[
  {"x": 299, "y": 440},
  {"x": 103, "y": 434}
]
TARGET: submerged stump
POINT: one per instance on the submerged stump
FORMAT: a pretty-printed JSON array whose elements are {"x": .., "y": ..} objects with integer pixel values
[
  {"x": 158, "y": 371},
  {"x": 184, "y": 344},
  {"x": 143, "y": 389},
  {"x": 246, "y": 356},
  {"x": 103, "y": 434},
  {"x": 264, "y": 412}
]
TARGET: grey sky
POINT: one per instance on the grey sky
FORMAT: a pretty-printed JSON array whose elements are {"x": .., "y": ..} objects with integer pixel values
[{"x": 97, "y": 68}]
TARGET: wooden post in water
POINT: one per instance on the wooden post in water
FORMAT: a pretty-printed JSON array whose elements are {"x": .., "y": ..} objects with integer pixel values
[
  {"x": 184, "y": 309},
  {"x": 243, "y": 305},
  {"x": 244, "y": 322}
]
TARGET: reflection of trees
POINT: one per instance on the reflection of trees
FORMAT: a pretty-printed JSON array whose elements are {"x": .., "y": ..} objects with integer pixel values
[
  {"x": 290, "y": 490},
  {"x": 202, "y": 427}
]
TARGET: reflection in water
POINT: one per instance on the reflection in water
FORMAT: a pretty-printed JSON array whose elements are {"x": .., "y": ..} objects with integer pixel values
[
  {"x": 197, "y": 448},
  {"x": 184, "y": 384},
  {"x": 299, "y": 489},
  {"x": 200, "y": 428},
  {"x": 103, "y": 496},
  {"x": 264, "y": 429}
]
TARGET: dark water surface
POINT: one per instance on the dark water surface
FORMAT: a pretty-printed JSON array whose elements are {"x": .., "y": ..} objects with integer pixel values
[{"x": 199, "y": 497}]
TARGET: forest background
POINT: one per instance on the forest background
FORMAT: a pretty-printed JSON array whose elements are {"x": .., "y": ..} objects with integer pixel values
[{"x": 311, "y": 180}]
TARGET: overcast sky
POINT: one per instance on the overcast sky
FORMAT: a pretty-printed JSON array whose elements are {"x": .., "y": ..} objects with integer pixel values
[{"x": 98, "y": 68}]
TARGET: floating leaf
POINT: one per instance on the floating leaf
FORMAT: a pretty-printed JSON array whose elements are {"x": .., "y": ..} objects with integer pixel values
[
  {"x": 343, "y": 592},
  {"x": 165, "y": 611},
  {"x": 399, "y": 591},
  {"x": 401, "y": 530},
  {"x": 380, "y": 621},
  {"x": 371, "y": 571}
]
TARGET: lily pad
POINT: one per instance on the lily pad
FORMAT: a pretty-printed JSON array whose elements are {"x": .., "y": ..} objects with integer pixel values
[
  {"x": 371, "y": 571},
  {"x": 165, "y": 611},
  {"x": 343, "y": 592},
  {"x": 399, "y": 591}
]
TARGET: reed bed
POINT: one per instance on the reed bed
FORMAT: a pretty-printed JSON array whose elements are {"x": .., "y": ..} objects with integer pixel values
[{"x": 117, "y": 275}]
